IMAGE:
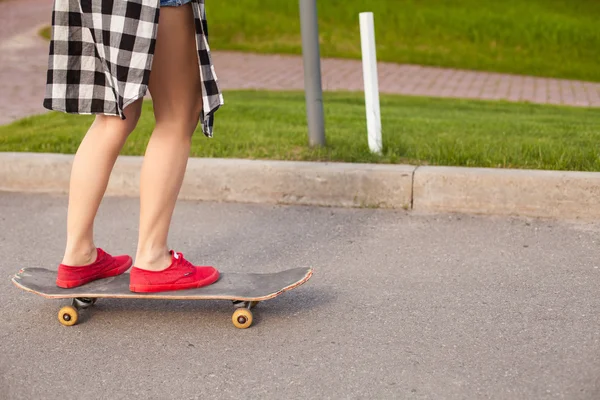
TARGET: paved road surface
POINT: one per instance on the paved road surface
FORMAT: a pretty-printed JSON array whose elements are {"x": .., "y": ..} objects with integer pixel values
[{"x": 402, "y": 306}]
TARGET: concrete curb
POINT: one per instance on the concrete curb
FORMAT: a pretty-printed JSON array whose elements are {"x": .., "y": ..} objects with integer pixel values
[
  {"x": 276, "y": 182},
  {"x": 553, "y": 194},
  {"x": 534, "y": 193}
]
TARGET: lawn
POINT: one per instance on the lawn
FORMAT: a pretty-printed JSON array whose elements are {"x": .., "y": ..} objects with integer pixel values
[
  {"x": 554, "y": 38},
  {"x": 272, "y": 125}
]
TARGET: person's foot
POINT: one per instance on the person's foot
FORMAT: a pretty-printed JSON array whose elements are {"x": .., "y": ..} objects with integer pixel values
[
  {"x": 105, "y": 266},
  {"x": 181, "y": 274}
]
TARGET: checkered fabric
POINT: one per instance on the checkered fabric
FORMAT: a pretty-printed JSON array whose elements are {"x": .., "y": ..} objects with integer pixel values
[{"x": 101, "y": 54}]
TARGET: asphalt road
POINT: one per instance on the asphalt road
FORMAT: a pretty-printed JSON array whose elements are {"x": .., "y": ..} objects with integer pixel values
[{"x": 401, "y": 306}]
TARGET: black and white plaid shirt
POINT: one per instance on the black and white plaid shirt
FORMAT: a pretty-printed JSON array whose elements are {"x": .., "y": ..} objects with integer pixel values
[{"x": 101, "y": 52}]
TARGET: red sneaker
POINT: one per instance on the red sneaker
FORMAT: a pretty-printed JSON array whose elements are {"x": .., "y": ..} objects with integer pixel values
[
  {"x": 105, "y": 266},
  {"x": 181, "y": 274}
]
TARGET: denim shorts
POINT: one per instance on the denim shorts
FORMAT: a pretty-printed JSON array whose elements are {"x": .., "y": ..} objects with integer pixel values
[{"x": 173, "y": 3}]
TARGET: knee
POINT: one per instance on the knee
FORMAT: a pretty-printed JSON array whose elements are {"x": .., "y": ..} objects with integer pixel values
[
  {"x": 132, "y": 117},
  {"x": 182, "y": 120},
  {"x": 120, "y": 128}
]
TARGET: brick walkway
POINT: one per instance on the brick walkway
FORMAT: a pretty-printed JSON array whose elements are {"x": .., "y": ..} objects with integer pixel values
[
  {"x": 255, "y": 71},
  {"x": 24, "y": 57}
]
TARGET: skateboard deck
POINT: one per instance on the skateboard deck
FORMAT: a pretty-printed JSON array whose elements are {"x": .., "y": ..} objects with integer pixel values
[{"x": 245, "y": 290}]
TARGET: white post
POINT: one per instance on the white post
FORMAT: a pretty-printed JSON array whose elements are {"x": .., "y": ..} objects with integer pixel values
[{"x": 369, "y": 59}]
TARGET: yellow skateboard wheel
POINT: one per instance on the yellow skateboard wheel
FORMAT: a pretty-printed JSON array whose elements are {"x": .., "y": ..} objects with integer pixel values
[
  {"x": 242, "y": 318},
  {"x": 68, "y": 316}
]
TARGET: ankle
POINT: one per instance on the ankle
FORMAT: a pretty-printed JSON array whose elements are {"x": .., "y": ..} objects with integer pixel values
[
  {"x": 153, "y": 260},
  {"x": 80, "y": 256}
]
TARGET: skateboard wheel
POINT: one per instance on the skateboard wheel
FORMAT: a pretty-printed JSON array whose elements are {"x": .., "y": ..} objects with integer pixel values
[
  {"x": 68, "y": 315},
  {"x": 242, "y": 318},
  {"x": 253, "y": 304}
]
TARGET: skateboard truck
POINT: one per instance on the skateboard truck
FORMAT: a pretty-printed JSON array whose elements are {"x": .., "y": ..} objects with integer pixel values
[{"x": 81, "y": 303}]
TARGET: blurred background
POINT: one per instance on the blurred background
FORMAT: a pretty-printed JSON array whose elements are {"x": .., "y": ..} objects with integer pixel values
[{"x": 509, "y": 84}]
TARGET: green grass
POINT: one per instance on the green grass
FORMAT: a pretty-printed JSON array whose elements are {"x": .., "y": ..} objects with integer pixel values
[
  {"x": 554, "y": 38},
  {"x": 45, "y": 32},
  {"x": 270, "y": 125}
]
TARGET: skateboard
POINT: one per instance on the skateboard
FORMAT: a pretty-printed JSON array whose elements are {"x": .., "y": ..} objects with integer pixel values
[{"x": 245, "y": 290}]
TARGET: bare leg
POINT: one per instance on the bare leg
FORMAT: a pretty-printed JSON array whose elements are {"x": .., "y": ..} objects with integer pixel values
[
  {"x": 90, "y": 173},
  {"x": 176, "y": 93}
]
